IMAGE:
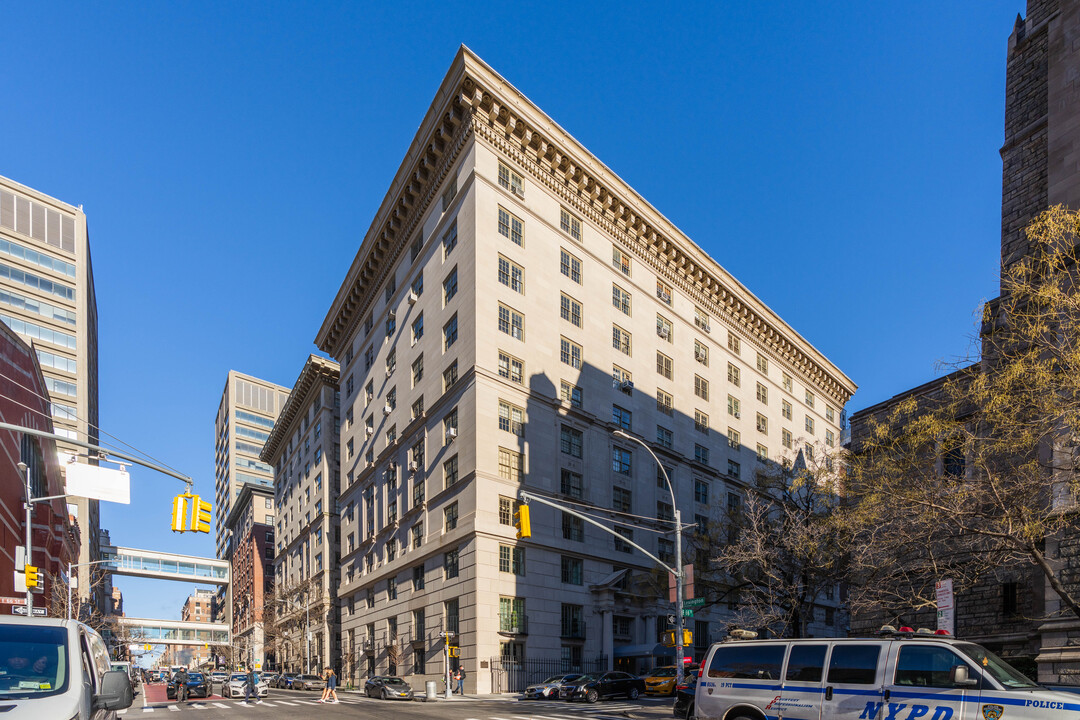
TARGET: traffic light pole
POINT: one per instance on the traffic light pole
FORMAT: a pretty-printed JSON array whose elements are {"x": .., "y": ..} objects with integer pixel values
[{"x": 29, "y": 537}]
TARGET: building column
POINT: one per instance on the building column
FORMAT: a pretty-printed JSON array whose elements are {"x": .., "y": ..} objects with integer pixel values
[
  {"x": 650, "y": 630},
  {"x": 608, "y": 637}
]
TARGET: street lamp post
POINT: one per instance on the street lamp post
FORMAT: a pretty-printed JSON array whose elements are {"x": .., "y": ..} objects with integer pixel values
[
  {"x": 678, "y": 557},
  {"x": 24, "y": 470}
]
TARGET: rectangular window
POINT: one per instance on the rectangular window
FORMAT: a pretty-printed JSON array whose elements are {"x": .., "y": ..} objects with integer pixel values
[
  {"x": 511, "y": 368},
  {"x": 450, "y": 333},
  {"x": 450, "y": 471},
  {"x": 665, "y": 550},
  {"x": 733, "y": 375},
  {"x": 510, "y": 227},
  {"x": 417, "y": 534},
  {"x": 391, "y": 362},
  {"x": 511, "y": 418},
  {"x": 663, "y": 291},
  {"x": 664, "y": 328},
  {"x": 391, "y": 589},
  {"x": 621, "y": 499},
  {"x": 510, "y": 465},
  {"x": 570, "y": 224},
  {"x": 449, "y": 239},
  {"x": 391, "y": 288},
  {"x": 570, "y": 266},
  {"x": 785, "y": 438},
  {"x": 573, "y": 528},
  {"x": 621, "y": 461},
  {"x": 665, "y": 403},
  {"x": 621, "y": 545},
  {"x": 786, "y": 381},
  {"x": 507, "y": 506},
  {"x": 809, "y": 399},
  {"x": 418, "y": 577},
  {"x": 664, "y": 437},
  {"x": 701, "y": 353},
  {"x": 621, "y": 379},
  {"x": 701, "y": 319},
  {"x": 762, "y": 364},
  {"x": 511, "y": 275},
  {"x": 734, "y": 407},
  {"x": 701, "y": 491},
  {"x": 512, "y": 559},
  {"x": 511, "y": 322},
  {"x": 733, "y": 469},
  {"x": 809, "y": 424},
  {"x": 733, "y": 438},
  {"x": 762, "y": 453},
  {"x": 830, "y": 439},
  {"x": 701, "y": 422},
  {"x": 620, "y": 339},
  {"x": 701, "y": 387},
  {"x": 570, "y": 393},
  {"x": 571, "y": 441},
  {"x": 572, "y": 570},
  {"x": 829, "y": 413},
  {"x": 570, "y": 484},
  {"x": 449, "y": 286},
  {"x": 620, "y": 260},
  {"x": 512, "y": 620},
  {"x": 621, "y": 417},
  {"x": 570, "y": 310},
  {"x": 620, "y": 299},
  {"x": 762, "y": 424},
  {"x": 733, "y": 343},
  {"x": 785, "y": 409},
  {"x": 511, "y": 181},
  {"x": 450, "y": 517},
  {"x": 663, "y": 365},
  {"x": 391, "y": 326},
  {"x": 417, "y": 370},
  {"x": 450, "y": 426},
  {"x": 450, "y": 376},
  {"x": 664, "y": 511},
  {"x": 449, "y": 194},
  {"x": 450, "y": 564},
  {"x": 570, "y": 353},
  {"x": 701, "y": 454},
  {"x": 762, "y": 393}
]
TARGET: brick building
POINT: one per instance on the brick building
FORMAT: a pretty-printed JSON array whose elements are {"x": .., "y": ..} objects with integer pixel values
[
  {"x": 250, "y": 523},
  {"x": 1018, "y": 615}
]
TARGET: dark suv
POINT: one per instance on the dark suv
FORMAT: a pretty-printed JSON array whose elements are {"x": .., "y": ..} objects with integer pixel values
[{"x": 595, "y": 686}]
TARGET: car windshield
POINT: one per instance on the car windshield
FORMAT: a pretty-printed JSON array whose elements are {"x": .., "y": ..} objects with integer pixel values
[
  {"x": 553, "y": 679},
  {"x": 194, "y": 677},
  {"x": 309, "y": 677},
  {"x": 1009, "y": 677},
  {"x": 395, "y": 681},
  {"x": 588, "y": 677},
  {"x": 663, "y": 672},
  {"x": 33, "y": 661},
  {"x": 238, "y": 676}
]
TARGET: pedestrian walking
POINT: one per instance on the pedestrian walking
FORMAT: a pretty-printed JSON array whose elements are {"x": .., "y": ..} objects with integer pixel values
[
  {"x": 250, "y": 688},
  {"x": 460, "y": 680},
  {"x": 331, "y": 685}
]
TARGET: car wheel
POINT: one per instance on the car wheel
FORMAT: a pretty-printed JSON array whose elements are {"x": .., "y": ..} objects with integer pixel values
[
  {"x": 592, "y": 696},
  {"x": 633, "y": 694}
]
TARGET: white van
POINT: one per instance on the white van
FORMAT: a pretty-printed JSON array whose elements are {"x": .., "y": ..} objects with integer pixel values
[
  {"x": 902, "y": 676},
  {"x": 59, "y": 669}
]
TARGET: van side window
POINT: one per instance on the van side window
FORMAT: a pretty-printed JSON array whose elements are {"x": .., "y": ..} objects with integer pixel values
[
  {"x": 805, "y": 663},
  {"x": 747, "y": 662},
  {"x": 853, "y": 664},
  {"x": 926, "y": 666}
]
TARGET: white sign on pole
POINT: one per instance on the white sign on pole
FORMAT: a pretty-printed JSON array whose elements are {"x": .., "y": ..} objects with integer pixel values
[
  {"x": 946, "y": 606},
  {"x": 98, "y": 483}
]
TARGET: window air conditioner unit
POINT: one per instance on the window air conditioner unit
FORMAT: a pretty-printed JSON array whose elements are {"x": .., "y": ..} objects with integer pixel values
[
  {"x": 413, "y": 297},
  {"x": 370, "y": 431},
  {"x": 392, "y": 467},
  {"x": 705, "y": 327},
  {"x": 626, "y": 385},
  {"x": 386, "y": 409},
  {"x": 700, "y": 356},
  {"x": 451, "y": 433},
  {"x": 662, "y": 331},
  {"x": 412, "y": 466},
  {"x": 737, "y": 414},
  {"x": 665, "y": 296},
  {"x": 389, "y": 372},
  {"x": 392, "y": 315}
]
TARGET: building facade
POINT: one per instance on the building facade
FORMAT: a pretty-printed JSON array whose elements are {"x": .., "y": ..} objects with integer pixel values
[
  {"x": 1018, "y": 615},
  {"x": 47, "y": 297},
  {"x": 512, "y": 305},
  {"x": 303, "y": 450},
  {"x": 250, "y": 524},
  {"x": 200, "y": 607}
]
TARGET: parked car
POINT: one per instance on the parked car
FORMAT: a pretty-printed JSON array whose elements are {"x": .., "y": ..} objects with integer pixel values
[
  {"x": 237, "y": 681},
  {"x": 308, "y": 682},
  {"x": 388, "y": 688},
  {"x": 285, "y": 681},
  {"x": 270, "y": 679},
  {"x": 660, "y": 681},
  {"x": 549, "y": 688},
  {"x": 597, "y": 686},
  {"x": 684, "y": 695},
  {"x": 58, "y": 669},
  {"x": 196, "y": 687}
]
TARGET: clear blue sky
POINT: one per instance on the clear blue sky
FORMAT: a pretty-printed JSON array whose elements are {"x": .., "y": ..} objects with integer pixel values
[{"x": 840, "y": 158}]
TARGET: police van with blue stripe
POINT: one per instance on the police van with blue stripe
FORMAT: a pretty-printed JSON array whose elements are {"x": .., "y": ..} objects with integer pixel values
[{"x": 902, "y": 675}]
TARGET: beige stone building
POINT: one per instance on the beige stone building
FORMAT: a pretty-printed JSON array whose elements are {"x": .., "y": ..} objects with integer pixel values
[
  {"x": 512, "y": 304},
  {"x": 303, "y": 451},
  {"x": 47, "y": 296}
]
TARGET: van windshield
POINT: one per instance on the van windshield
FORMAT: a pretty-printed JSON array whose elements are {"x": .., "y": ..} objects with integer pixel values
[
  {"x": 1009, "y": 677},
  {"x": 33, "y": 661}
]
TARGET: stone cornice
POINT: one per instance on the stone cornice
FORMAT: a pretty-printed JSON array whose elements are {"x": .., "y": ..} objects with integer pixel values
[
  {"x": 474, "y": 101},
  {"x": 315, "y": 369}
]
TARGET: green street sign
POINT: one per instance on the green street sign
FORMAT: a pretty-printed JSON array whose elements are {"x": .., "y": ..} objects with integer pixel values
[
  {"x": 693, "y": 603},
  {"x": 687, "y": 612}
]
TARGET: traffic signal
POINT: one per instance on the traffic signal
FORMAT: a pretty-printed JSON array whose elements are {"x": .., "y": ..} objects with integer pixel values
[
  {"x": 200, "y": 515},
  {"x": 32, "y": 577},
  {"x": 521, "y": 522},
  {"x": 179, "y": 512},
  {"x": 454, "y": 651},
  {"x": 670, "y": 635}
]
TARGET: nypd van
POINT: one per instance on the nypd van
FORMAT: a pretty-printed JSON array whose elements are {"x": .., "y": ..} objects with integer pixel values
[{"x": 897, "y": 676}]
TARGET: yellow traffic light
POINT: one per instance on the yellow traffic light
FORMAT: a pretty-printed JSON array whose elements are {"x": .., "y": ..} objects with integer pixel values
[
  {"x": 522, "y": 523},
  {"x": 200, "y": 515},
  {"x": 179, "y": 512},
  {"x": 669, "y": 638},
  {"x": 32, "y": 577}
]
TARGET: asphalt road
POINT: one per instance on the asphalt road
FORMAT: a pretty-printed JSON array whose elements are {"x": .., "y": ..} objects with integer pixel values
[{"x": 296, "y": 704}]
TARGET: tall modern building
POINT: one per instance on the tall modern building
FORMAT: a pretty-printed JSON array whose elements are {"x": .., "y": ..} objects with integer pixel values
[
  {"x": 512, "y": 305},
  {"x": 47, "y": 297},
  {"x": 304, "y": 452},
  {"x": 246, "y": 414}
]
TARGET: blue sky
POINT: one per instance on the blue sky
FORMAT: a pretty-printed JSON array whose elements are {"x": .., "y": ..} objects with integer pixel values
[{"x": 840, "y": 159}]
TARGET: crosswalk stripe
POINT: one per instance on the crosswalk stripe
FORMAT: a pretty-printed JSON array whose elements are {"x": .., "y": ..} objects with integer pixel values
[
  {"x": 174, "y": 708},
  {"x": 221, "y": 705}
]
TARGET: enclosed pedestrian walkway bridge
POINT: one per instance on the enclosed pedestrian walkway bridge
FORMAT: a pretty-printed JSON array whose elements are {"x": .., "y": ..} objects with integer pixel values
[
  {"x": 165, "y": 566},
  {"x": 175, "y": 632}
]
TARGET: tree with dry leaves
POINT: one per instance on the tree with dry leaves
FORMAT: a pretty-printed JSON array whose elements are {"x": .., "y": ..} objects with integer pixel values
[{"x": 979, "y": 471}]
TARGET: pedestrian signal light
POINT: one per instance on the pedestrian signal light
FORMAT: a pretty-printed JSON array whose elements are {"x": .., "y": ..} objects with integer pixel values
[
  {"x": 522, "y": 523},
  {"x": 180, "y": 513},
  {"x": 455, "y": 651},
  {"x": 32, "y": 576},
  {"x": 200, "y": 515},
  {"x": 670, "y": 635}
]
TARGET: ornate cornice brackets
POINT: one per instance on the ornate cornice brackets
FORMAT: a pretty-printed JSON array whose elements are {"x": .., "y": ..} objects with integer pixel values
[
  {"x": 315, "y": 369},
  {"x": 640, "y": 232}
]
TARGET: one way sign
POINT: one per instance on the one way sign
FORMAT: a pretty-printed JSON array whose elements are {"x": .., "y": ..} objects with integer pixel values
[{"x": 21, "y": 610}]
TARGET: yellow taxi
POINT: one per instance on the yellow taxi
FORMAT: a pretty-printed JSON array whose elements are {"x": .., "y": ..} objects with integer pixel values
[{"x": 660, "y": 681}]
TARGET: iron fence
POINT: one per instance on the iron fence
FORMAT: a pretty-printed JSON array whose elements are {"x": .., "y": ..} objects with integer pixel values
[{"x": 509, "y": 675}]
